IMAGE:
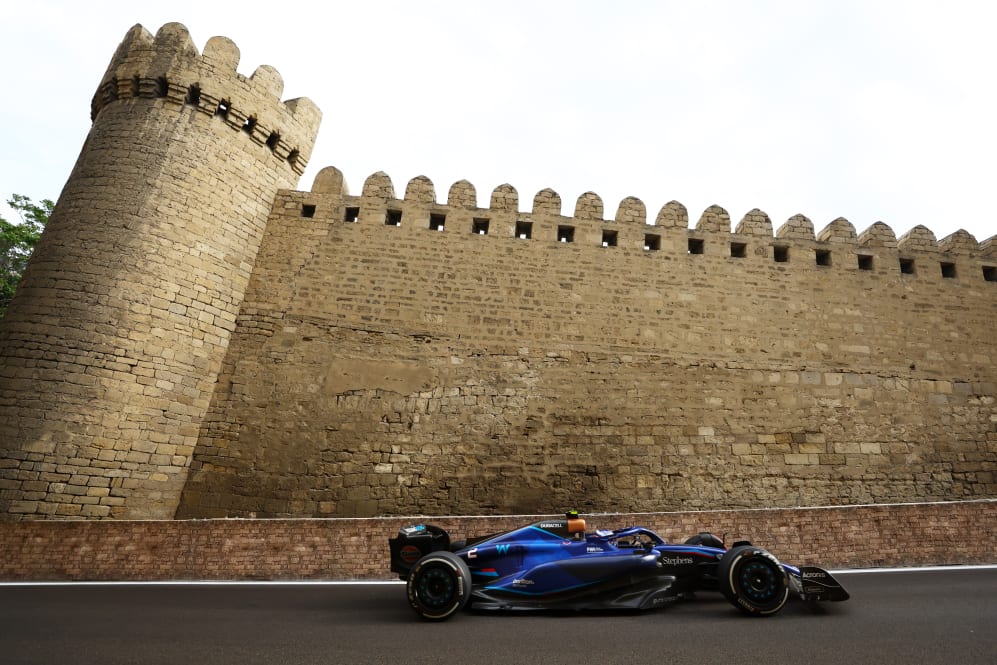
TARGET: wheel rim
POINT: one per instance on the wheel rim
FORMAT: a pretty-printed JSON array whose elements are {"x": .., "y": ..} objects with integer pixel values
[
  {"x": 759, "y": 582},
  {"x": 436, "y": 588}
]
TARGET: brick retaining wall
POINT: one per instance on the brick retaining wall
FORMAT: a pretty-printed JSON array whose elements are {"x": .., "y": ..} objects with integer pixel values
[{"x": 835, "y": 537}]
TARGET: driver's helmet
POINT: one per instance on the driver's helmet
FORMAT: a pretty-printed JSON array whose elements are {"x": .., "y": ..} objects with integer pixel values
[{"x": 576, "y": 525}]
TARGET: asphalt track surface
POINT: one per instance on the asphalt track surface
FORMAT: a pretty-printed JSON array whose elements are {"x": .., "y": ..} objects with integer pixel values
[{"x": 924, "y": 617}]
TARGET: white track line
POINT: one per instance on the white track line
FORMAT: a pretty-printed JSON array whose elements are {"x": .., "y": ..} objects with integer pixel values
[
  {"x": 849, "y": 571},
  {"x": 922, "y": 569}
]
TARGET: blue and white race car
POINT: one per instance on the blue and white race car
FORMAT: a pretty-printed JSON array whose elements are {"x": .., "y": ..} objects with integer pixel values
[{"x": 556, "y": 564}]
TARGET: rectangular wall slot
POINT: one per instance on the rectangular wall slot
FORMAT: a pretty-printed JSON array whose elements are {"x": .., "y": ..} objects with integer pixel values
[
  {"x": 823, "y": 257},
  {"x": 307, "y": 210},
  {"x": 907, "y": 266},
  {"x": 437, "y": 222},
  {"x": 652, "y": 242},
  {"x": 479, "y": 226},
  {"x": 524, "y": 230},
  {"x": 865, "y": 262},
  {"x": 738, "y": 250},
  {"x": 780, "y": 253},
  {"x": 948, "y": 270},
  {"x": 565, "y": 234},
  {"x": 609, "y": 238},
  {"x": 352, "y": 214},
  {"x": 696, "y": 245}
]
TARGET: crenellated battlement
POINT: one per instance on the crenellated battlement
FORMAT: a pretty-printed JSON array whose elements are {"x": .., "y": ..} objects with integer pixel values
[
  {"x": 631, "y": 228},
  {"x": 194, "y": 337},
  {"x": 110, "y": 350},
  {"x": 396, "y": 352},
  {"x": 168, "y": 66}
]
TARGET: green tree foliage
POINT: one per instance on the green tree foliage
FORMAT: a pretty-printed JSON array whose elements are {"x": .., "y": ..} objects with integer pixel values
[{"x": 17, "y": 241}]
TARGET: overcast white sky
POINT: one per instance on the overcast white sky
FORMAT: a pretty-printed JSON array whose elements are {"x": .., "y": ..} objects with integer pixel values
[{"x": 869, "y": 110}]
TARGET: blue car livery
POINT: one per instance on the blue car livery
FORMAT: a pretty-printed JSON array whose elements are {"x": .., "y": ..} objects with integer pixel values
[{"x": 557, "y": 564}]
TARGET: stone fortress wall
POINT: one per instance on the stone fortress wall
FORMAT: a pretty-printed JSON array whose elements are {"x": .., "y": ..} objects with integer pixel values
[
  {"x": 195, "y": 338},
  {"x": 403, "y": 355},
  {"x": 110, "y": 349}
]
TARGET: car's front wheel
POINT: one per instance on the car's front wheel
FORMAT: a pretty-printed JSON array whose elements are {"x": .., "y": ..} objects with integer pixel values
[
  {"x": 439, "y": 586},
  {"x": 753, "y": 580}
]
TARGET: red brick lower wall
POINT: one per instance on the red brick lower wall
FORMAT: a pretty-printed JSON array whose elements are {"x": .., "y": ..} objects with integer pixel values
[{"x": 340, "y": 549}]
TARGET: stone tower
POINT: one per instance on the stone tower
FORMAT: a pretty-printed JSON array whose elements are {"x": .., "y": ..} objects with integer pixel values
[{"x": 111, "y": 348}]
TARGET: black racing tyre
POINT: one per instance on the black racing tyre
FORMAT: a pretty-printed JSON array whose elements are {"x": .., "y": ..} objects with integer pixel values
[
  {"x": 706, "y": 539},
  {"x": 753, "y": 580},
  {"x": 439, "y": 585}
]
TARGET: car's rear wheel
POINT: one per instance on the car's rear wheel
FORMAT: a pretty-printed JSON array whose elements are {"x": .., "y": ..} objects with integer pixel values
[
  {"x": 439, "y": 586},
  {"x": 753, "y": 580},
  {"x": 706, "y": 539}
]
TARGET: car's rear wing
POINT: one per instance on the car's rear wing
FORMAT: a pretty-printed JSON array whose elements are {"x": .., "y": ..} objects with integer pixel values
[{"x": 413, "y": 543}]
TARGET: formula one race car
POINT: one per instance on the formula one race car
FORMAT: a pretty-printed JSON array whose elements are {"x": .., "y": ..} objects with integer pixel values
[{"x": 555, "y": 564}]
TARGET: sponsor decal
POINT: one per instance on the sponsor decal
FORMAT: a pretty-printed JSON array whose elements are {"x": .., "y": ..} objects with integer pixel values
[
  {"x": 502, "y": 549},
  {"x": 522, "y": 581},
  {"x": 811, "y": 575},
  {"x": 473, "y": 554},
  {"x": 594, "y": 549},
  {"x": 676, "y": 560},
  {"x": 410, "y": 554},
  {"x": 552, "y": 525}
]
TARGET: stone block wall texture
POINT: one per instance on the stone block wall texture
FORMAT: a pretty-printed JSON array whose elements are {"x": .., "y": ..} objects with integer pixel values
[
  {"x": 111, "y": 347},
  {"x": 400, "y": 356},
  {"x": 196, "y": 339},
  {"x": 346, "y": 549}
]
